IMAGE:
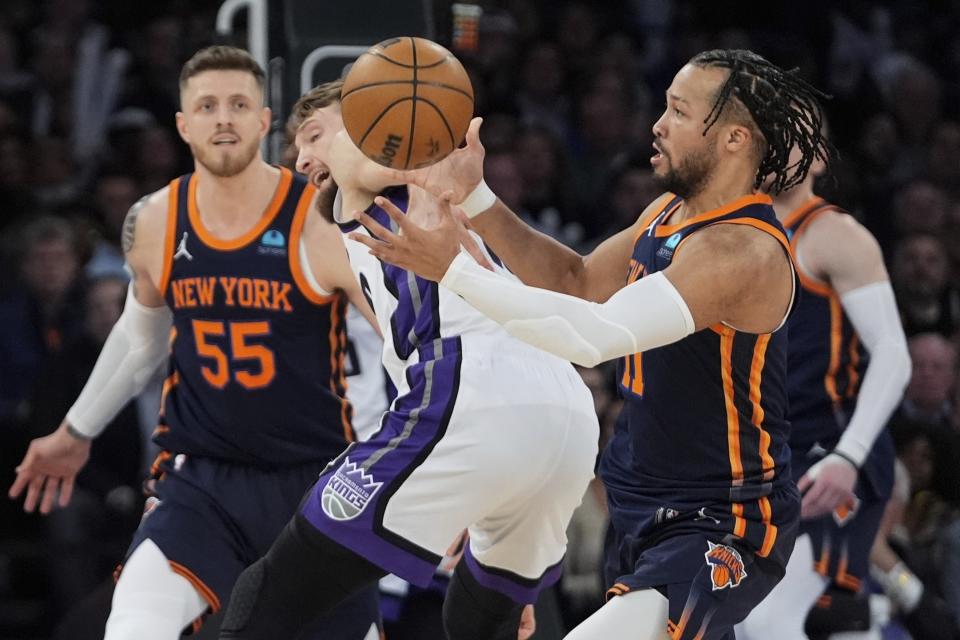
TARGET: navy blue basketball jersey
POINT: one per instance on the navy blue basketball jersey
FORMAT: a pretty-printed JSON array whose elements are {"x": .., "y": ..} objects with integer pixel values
[
  {"x": 826, "y": 361},
  {"x": 256, "y": 356},
  {"x": 704, "y": 419}
]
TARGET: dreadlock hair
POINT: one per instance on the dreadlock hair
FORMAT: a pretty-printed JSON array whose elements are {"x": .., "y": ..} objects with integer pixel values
[{"x": 776, "y": 103}]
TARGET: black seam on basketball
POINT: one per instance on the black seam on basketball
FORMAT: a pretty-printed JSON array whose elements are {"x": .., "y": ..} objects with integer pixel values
[
  {"x": 438, "y": 85},
  {"x": 380, "y": 117},
  {"x": 407, "y": 66},
  {"x": 453, "y": 143},
  {"x": 413, "y": 106}
]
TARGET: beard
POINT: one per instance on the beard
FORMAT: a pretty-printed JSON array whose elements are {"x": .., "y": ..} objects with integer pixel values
[
  {"x": 689, "y": 176},
  {"x": 326, "y": 195},
  {"x": 227, "y": 162}
]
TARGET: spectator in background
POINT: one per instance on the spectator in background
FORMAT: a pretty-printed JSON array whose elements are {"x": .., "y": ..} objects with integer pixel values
[
  {"x": 542, "y": 96},
  {"x": 113, "y": 194},
  {"x": 928, "y": 395},
  {"x": 943, "y": 157},
  {"x": 158, "y": 158},
  {"x": 547, "y": 181},
  {"x": 38, "y": 317},
  {"x": 89, "y": 535},
  {"x": 919, "y": 207},
  {"x": 920, "y": 275}
]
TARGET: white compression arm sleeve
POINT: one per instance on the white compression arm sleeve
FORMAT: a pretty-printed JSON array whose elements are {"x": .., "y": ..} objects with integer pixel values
[
  {"x": 133, "y": 351},
  {"x": 646, "y": 314},
  {"x": 872, "y": 310}
]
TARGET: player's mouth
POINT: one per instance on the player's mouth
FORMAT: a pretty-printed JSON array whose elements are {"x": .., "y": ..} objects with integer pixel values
[
  {"x": 318, "y": 176},
  {"x": 658, "y": 157},
  {"x": 225, "y": 140}
]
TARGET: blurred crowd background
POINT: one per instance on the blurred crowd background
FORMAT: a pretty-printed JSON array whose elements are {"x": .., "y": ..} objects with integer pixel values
[{"x": 569, "y": 91}]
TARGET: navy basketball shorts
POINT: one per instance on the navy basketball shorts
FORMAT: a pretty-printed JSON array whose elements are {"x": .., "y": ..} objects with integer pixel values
[
  {"x": 714, "y": 564},
  {"x": 212, "y": 519},
  {"x": 501, "y": 444}
]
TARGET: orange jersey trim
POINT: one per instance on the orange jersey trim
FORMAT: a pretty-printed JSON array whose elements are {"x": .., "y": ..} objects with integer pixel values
[
  {"x": 756, "y": 377},
  {"x": 802, "y": 210},
  {"x": 733, "y": 418},
  {"x": 756, "y": 198},
  {"x": 337, "y": 375},
  {"x": 808, "y": 282},
  {"x": 658, "y": 208},
  {"x": 205, "y": 592},
  {"x": 739, "y": 522},
  {"x": 854, "y": 376},
  {"x": 770, "y": 537},
  {"x": 836, "y": 328},
  {"x": 762, "y": 226},
  {"x": 286, "y": 177},
  {"x": 169, "y": 240},
  {"x": 296, "y": 231}
]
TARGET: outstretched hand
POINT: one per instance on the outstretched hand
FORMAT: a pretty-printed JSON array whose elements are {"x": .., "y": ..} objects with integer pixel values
[
  {"x": 426, "y": 252},
  {"x": 49, "y": 469},
  {"x": 459, "y": 173}
]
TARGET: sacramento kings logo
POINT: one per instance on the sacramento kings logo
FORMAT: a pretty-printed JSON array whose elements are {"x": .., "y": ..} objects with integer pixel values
[{"x": 348, "y": 492}]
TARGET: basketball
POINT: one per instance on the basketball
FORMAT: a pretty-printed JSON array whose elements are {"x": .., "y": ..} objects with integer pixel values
[{"x": 406, "y": 103}]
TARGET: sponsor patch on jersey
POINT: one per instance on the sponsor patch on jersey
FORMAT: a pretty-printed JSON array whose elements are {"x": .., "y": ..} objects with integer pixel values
[
  {"x": 666, "y": 251},
  {"x": 845, "y": 512},
  {"x": 726, "y": 566},
  {"x": 272, "y": 243},
  {"x": 348, "y": 492}
]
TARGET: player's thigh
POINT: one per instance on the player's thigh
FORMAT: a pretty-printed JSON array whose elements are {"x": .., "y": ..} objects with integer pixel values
[
  {"x": 526, "y": 537},
  {"x": 786, "y": 606}
]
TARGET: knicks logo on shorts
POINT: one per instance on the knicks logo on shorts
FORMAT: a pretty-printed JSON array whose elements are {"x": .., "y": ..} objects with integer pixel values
[
  {"x": 726, "y": 566},
  {"x": 348, "y": 492},
  {"x": 845, "y": 512}
]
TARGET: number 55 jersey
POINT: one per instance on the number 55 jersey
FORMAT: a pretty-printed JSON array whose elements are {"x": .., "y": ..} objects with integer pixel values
[{"x": 257, "y": 354}]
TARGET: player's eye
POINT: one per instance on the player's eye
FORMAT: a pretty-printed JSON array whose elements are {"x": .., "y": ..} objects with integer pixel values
[
  {"x": 314, "y": 137},
  {"x": 678, "y": 112}
]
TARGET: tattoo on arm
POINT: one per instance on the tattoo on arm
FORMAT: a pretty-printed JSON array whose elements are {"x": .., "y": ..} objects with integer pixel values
[{"x": 130, "y": 224}]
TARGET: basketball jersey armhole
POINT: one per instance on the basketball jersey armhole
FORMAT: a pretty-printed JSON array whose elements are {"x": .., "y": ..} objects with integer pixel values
[
  {"x": 811, "y": 284},
  {"x": 299, "y": 264},
  {"x": 170, "y": 238},
  {"x": 794, "y": 273}
]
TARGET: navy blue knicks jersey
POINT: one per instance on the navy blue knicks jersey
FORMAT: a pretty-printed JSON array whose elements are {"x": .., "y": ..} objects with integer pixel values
[
  {"x": 257, "y": 356},
  {"x": 704, "y": 420},
  {"x": 826, "y": 361}
]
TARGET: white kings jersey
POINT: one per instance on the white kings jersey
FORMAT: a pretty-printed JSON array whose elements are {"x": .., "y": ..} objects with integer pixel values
[
  {"x": 411, "y": 311},
  {"x": 367, "y": 381}
]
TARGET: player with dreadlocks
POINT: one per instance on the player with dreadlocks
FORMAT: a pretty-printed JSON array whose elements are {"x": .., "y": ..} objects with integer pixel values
[{"x": 691, "y": 299}]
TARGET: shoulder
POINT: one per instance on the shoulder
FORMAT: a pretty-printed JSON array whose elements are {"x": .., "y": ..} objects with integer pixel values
[
  {"x": 835, "y": 234},
  {"x": 147, "y": 217},
  {"x": 749, "y": 250}
]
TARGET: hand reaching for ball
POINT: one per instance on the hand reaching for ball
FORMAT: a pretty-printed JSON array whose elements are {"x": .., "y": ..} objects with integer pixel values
[{"x": 459, "y": 173}]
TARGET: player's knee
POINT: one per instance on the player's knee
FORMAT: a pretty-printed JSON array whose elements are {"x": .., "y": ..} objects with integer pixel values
[
  {"x": 244, "y": 596},
  {"x": 474, "y": 612},
  {"x": 151, "y": 601}
]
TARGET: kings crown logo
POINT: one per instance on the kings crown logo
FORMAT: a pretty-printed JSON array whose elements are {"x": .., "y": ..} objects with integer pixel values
[{"x": 348, "y": 492}]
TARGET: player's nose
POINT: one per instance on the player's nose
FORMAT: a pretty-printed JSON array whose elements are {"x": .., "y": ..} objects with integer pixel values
[{"x": 304, "y": 163}]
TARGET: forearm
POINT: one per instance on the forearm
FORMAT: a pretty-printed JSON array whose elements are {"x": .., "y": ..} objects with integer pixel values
[
  {"x": 534, "y": 257},
  {"x": 133, "y": 351},
  {"x": 644, "y": 315},
  {"x": 873, "y": 312}
]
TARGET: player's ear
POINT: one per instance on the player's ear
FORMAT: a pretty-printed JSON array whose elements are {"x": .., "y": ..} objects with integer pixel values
[
  {"x": 182, "y": 127},
  {"x": 265, "y": 117},
  {"x": 737, "y": 138}
]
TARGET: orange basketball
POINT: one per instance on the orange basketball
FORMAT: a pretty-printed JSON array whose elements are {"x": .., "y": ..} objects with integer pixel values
[{"x": 407, "y": 102}]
